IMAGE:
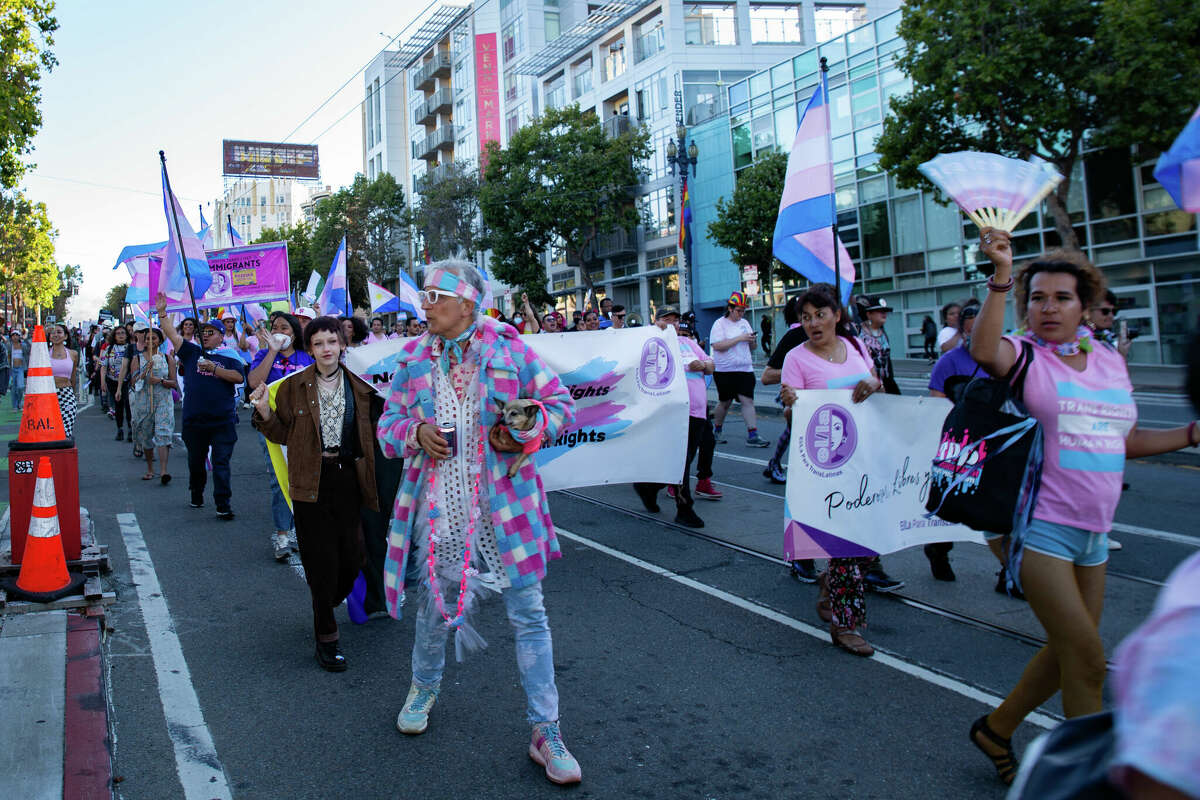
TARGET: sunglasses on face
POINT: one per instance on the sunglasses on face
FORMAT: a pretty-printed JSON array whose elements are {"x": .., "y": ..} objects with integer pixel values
[
  {"x": 1106, "y": 311},
  {"x": 432, "y": 296},
  {"x": 618, "y": 316}
]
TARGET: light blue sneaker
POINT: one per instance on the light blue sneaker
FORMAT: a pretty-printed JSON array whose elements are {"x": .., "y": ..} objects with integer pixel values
[
  {"x": 548, "y": 749},
  {"x": 414, "y": 717}
]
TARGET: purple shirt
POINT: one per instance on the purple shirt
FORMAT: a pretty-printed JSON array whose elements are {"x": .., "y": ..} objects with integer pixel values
[
  {"x": 957, "y": 362},
  {"x": 283, "y": 366}
]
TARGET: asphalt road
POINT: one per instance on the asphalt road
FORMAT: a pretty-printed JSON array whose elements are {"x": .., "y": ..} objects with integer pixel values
[{"x": 686, "y": 668}]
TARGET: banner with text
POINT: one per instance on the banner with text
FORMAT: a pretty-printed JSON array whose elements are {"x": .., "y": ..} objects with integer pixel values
[
  {"x": 859, "y": 475},
  {"x": 255, "y": 273},
  {"x": 631, "y": 403}
]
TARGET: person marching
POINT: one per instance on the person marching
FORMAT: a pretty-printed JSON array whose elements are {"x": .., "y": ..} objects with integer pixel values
[
  {"x": 732, "y": 341},
  {"x": 1072, "y": 386},
  {"x": 874, "y": 312},
  {"x": 64, "y": 363},
  {"x": 151, "y": 379},
  {"x": 113, "y": 363},
  {"x": 459, "y": 517},
  {"x": 18, "y": 358},
  {"x": 331, "y": 471}
]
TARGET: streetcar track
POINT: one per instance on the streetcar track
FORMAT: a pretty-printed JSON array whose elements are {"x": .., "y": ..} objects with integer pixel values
[{"x": 912, "y": 602}]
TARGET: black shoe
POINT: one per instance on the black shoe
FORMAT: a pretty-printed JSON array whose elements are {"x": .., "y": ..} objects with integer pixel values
[
  {"x": 684, "y": 515},
  {"x": 120, "y": 434},
  {"x": 804, "y": 571},
  {"x": 719, "y": 436},
  {"x": 939, "y": 564},
  {"x": 1001, "y": 579},
  {"x": 879, "y": 581},
  {"x": 648, "y": 496},
  {"x": 775, "y": 474},
  {"x": 197, "y": 501},
  {"x": 129, "y": 436},
  {"x": 225, "y": 513},
  {"x": 330, "y": 657}
]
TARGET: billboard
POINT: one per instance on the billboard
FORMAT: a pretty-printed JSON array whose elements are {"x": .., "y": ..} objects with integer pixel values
[{"x": 269, "y": 160}]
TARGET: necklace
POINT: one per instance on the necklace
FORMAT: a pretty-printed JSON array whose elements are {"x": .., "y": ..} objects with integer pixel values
[
  {"x": 328, "y": 378},
  {"x": 468, "y": 571},
  {"x": 1082, "y": 343},
  {"x": 819, "y": 354}
]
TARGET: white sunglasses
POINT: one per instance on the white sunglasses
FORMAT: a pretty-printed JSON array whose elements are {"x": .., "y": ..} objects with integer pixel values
[{"x": 431, "y": 296}]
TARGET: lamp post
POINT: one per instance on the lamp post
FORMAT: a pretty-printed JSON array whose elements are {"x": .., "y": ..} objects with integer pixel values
[{"x": 681, "y": 155}]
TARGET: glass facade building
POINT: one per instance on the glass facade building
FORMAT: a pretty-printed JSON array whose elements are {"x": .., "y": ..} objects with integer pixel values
[{"x": 916, "y": 253}]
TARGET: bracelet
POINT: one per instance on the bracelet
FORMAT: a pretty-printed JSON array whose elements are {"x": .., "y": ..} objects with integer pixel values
[
  {"x": 999, "y": 287},
  {"x": 1190, "y": 428}
]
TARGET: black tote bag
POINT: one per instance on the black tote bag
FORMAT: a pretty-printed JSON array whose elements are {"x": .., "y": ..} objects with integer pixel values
[{"x": 988, "y": 467}]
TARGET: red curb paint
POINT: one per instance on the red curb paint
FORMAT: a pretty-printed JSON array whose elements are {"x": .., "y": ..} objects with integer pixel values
[{"x": 87, "y": 761}]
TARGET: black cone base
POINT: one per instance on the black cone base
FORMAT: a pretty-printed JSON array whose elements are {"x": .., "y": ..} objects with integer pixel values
[{"x": 15, "y": 593}]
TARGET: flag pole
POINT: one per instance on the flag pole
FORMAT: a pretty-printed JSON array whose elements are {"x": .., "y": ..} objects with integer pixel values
[
  {"x": 837, "y": 267},
  {"x": 179, "y": 241}
]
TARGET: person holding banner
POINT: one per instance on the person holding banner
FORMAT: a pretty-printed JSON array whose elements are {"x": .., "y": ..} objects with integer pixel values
[
  {"x": 460, "y": 520},
  {"x": 1082, "y": 396},
  {"x": 833, "y": 358}
]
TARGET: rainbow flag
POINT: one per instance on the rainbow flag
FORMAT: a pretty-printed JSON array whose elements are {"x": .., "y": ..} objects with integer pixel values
[{"x": 685, "y": 221}]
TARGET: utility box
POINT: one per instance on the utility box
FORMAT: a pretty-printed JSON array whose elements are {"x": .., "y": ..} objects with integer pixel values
[{"x": 22, "y": 476}]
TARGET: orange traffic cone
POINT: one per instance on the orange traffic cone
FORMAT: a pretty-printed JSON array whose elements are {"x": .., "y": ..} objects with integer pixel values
[
  {"x": 41, "y": 420},
  {"x": 44, "y": 573}
]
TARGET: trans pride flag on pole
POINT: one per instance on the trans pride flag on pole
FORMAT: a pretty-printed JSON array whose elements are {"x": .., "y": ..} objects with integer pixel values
[
  {"x": 804, "y": 238},
  {"x": 334, "y": 299},
  {"x": 205, "y": 234},
  {"x": 1178, "y": 169},
  {"x": 409, "y": 300},
  {"x": 233, "y": 234},
  {"x": 138, "y": 292},
  {"x": 173, "y": 279}
]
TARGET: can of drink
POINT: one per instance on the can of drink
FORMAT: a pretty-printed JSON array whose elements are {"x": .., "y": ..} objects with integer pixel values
[{"x": 450, "y": 433}]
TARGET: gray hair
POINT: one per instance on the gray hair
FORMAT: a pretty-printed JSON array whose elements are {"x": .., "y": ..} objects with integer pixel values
[{"x": 465, "y": 270}]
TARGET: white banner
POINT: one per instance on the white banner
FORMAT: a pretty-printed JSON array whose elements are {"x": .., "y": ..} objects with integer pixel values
[
  {"x": 631, "y": 403},
  {"x": 859, "y": 474}
]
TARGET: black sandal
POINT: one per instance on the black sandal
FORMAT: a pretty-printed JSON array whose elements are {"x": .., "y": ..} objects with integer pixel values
[{"x": 1005, "y": 763}]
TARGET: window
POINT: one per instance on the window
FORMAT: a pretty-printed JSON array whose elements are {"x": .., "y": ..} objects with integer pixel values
[
  {"x": 775, "y": 24},
  {"x": 710, "y": 24},
  {"x": 512, "y": 40},
  {"x": 556, "y": 93},
  {"x": 460, "y": 78},
  {"x": 512, "y": 86},
  {"x": 553, "y": 26},
  {"x": 660, "y": 211},
  {"x": 614, "y": 60},
  {"x": 650, "y": 39},
  {"x": 834, "y": 20},
  {"x": 378, "y": 115},
  {"x": 512, "y": 123},
  {"x": 650, "y": 96},
  {"x": 262, "y": 201},
  {"x": 581, "y": 78}
]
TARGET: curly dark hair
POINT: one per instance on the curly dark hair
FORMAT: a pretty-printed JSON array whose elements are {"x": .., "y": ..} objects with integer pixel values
[
  {"x": 360, "y": 330},
  {"x": 822, "y": 295},
  {"x": 1089, "y": 281},
  {"x": 326, "y": 324},
  {"x": 293, "y": 322}
]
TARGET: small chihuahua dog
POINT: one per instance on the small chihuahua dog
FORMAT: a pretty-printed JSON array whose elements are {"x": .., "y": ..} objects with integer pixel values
[{"x": 521, "y": 415}]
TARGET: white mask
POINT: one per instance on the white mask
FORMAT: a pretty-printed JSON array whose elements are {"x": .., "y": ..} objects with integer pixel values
[{"x": 284, "y": 340}]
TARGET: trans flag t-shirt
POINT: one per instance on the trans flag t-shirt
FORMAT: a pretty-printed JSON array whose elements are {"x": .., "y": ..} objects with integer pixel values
[
  {"x": 804, "y": 370},
  {"x": 1085, "y": 418},
  {"x": 689, "y": 351}
]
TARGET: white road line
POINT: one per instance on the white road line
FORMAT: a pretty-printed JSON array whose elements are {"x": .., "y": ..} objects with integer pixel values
[
  {"x": 1166, "y": 536},
  {"x": 196, "y": 762},
  {"x": 748, "y": 489},
  {"x": 887, "y": 659},
  {"x": 762, "y": 462}
]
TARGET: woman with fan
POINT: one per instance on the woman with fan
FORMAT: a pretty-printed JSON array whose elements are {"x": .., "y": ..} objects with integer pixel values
[{"x": 1082, "y": 397}]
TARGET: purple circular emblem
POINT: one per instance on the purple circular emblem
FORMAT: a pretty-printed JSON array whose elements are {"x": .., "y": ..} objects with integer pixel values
[
  {"x": 831, "y": 436},
  {"x": 656, "y": 367}
]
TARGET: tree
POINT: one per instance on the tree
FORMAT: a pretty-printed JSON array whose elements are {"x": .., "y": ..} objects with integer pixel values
[
  {"x": 446, "y": 216},
  {"x": 70, "y": 276},
  {"x": 385, "y": 227},
  {"x": 299, "y": 245},
  {"x": 27, "y": 263},
  {"x": 564, "y": 182},
  {"x": 114, "y": 301},
  {"x": 1037, "y": 77},
  {"x": 746, "y": 225},
  {"x": 26, "y": 28}
]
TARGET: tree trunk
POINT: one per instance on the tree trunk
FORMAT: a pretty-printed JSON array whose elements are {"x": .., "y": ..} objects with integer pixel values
[{"x": 1056, "y": 201}]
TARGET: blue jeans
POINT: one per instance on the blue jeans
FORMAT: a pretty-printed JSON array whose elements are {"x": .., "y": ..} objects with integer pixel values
[
  {"x": 535, "y": 651},
  {"x": 279, "y": 507},
  {"x": 17, "y": 387}
]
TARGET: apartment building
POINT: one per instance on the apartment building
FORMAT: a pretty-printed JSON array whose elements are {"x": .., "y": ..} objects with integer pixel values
[{"x": 252, "y": 204}]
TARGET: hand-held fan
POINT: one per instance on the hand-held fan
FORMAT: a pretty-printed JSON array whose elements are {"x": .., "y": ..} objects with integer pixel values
[{"x": 994, "y": 191}]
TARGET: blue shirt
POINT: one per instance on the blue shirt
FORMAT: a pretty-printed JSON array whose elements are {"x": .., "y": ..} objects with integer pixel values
[
  {"x": 956, "y": 362},
  {"x": 207, "y": 399},
  {"x": 283, "y": 365}
]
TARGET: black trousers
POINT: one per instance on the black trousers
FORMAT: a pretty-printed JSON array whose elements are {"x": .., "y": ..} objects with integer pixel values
[
  {"x": 697, "y": 429},
  {"x": 221, "y": 438},
  {"x": 330, "y": 546},
  {"x": 124, "y": 419},
  {"x": 375, "y": 524}
]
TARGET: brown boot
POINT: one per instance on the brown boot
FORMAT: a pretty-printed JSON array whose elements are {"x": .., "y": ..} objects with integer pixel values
[
  {"x": 824, "y": 607},
  {"x": 849, "y": 640}
]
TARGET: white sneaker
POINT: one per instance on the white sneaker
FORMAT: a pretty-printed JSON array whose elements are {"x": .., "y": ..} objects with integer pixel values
[
  {"x": 1113, "y": 544},
  {"x": 282, "y": 547},
  {"x": 414, "y": 717}
]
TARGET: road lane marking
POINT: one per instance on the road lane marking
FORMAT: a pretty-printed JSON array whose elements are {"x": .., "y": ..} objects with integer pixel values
[
  {"x": 748, "y": 489},
  {"x": 196, "y": 762},
  {"x": 887, "y": 659},
  {"x": 762, "y": 462}
]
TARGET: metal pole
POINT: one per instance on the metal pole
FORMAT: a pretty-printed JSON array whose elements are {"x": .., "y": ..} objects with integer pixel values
[
  {"x": 837, "y": 269},
  {"x": 179, "y": 239}
]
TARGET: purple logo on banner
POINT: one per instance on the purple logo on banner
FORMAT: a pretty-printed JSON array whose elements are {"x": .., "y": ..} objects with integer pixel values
[
  {"x": 831, "y": 437},
  {"x": 656, "y": 367}
]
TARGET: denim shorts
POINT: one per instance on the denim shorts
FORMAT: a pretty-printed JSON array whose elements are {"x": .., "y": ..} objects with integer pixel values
[{"x": 1082, "y": 548}]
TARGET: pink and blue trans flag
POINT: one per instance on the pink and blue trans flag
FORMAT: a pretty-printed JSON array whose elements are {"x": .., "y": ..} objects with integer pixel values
[
  {"x": 205, "y": 234},
  {"x": 233, "y": 234},
  {"x": 333, "y": 297},
  {"x": 408, "y": 296},
  {"x": 173, "y": 279},
  {"x": 1178, "y": 169},
  {"x": 804, "y": 237},
  {"x": 138, "y": 292}
]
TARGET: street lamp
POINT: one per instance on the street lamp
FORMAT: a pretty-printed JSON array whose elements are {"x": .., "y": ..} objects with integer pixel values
[{"x": 680, "y": 156}]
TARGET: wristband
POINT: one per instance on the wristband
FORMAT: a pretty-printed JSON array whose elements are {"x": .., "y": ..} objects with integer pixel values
[
  {"x": 1190, "y": 428},
  {"x": 999, "y": 287}
]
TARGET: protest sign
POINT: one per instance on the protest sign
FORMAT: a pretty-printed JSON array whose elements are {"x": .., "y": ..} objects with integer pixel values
[
  {"x": 256, "y": 273},
  {"x": 859, "y": 475},
  {"x": 631, "y": 403}
]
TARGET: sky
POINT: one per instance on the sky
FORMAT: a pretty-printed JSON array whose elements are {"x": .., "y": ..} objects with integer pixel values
[{"x": 133, "y": 80}]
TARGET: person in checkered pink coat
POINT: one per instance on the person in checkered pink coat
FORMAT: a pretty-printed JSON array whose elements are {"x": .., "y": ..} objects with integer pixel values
[{"x": 461, "y": 527}]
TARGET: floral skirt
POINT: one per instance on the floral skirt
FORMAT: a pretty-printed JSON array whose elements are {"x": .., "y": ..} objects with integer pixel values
[{"x": 847, "y": 591}]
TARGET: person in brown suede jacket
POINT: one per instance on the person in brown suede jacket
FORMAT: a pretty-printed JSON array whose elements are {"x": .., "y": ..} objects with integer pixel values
[{"x": 323, "y": 414}]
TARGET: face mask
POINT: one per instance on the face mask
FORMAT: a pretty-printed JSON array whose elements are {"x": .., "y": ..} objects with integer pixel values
[
  {"x": 517, "y": 320},
  {"x": 283, "y": 339}
]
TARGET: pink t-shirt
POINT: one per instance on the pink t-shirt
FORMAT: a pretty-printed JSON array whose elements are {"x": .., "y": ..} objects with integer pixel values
[
  {"x": 689, "y": 351},
  {"x": 804, "y": 370},
  {"x": 373, "y": 338},
  {"x": 1085, "y": 418}
]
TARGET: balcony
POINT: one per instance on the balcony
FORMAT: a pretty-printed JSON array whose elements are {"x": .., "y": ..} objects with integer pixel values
[
  {"x": 616, "y": 125},
  {"x": 437, "y": 67},
  {"x": 432, "y": 175},
  {"x": 617, "y": 243},
  {"x": 441, "y": 139},
  {"x": 438, "y": 102}
]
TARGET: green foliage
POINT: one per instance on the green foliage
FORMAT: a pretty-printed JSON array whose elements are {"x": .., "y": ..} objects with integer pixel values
[
  {"x": 446, "y": 214},
  {"x": 70, "y": 276},
  {"x": 26, "y": 28},
  {"x": 372, "y": 215},
  {"x": 563, "y": 182},
  {"x": 115, "y": 299},
  {"x": 746, "y": 224},
  {"x": 27, "y": 249},
  {"x": 1035, "y": 77},
  {"x": 299, "y": 244}
]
